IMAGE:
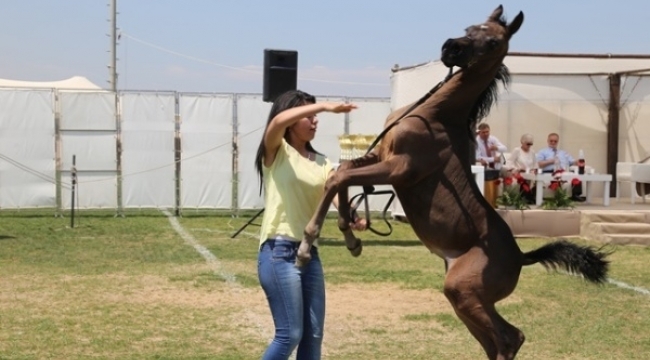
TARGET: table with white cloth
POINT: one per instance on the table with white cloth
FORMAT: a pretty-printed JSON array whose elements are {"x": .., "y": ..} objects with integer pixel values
[{"x": 587, "y": 179}]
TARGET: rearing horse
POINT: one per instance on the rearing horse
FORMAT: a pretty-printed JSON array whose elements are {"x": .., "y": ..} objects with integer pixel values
[{"x": 426, "y": 158}]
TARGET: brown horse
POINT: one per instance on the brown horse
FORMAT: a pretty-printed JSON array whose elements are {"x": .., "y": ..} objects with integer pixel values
[{"x": 426, "y": 158}]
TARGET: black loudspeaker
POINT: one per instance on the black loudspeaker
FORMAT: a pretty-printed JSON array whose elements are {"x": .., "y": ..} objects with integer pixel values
[{"x": 280, "y": 72}]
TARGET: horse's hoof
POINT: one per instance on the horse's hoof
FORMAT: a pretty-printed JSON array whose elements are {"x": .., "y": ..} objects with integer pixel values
[{"x": 356, "y": 250}]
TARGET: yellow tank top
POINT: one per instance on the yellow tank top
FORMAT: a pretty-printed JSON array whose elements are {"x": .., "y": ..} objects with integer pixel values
[{"x": 293, "y": 187}]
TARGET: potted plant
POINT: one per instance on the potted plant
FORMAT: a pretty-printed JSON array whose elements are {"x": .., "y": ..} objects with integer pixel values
[
  {"x": 560, "y": 199},
  {"x": 514, "y": 193}
]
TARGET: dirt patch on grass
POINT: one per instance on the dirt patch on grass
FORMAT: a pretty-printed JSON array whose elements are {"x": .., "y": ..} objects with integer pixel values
[
  {"x": 355, "y": 314},
  {"x": 363, "y": 318}
]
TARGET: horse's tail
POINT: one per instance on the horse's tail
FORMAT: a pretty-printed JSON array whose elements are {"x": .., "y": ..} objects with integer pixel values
[{"x": 576, "y": 259}]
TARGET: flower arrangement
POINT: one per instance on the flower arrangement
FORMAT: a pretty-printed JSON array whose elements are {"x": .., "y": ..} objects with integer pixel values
[
  {"x": 560, "y": 199},
  {"x": 516, "y": 192}
]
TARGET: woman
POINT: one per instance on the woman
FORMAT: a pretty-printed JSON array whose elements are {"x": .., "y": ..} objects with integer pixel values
[
  {"x": 523, "y": 158},
  {"x": 293, "y": 176}
]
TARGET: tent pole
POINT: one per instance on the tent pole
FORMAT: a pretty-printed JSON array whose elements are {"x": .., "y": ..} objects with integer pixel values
[{"x": 613, "y": 125}]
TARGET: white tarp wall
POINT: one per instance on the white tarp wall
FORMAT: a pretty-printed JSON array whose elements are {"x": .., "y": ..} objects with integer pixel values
[
  {"x": 219, "y": 135},
  {"x": 89, "y": 132},
  {"x": 27, "y": 167},
  {"x": 206, "y": 142},
  {"x": 252, "y": 115},
  {"x": 635, "y": 119},
  {"x": 148, "y": 130}
]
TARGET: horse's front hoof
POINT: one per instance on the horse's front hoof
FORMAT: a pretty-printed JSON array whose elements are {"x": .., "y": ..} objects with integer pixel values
[
  {"x": 356, "y": 250},
  {"x": 302, "y": 259}
]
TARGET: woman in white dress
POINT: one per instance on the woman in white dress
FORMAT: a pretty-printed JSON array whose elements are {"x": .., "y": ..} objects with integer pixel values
[{"x": 523, "y": 157}]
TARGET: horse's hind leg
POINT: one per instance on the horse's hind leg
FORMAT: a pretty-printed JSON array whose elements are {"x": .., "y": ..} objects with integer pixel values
[
  {"x": 500, "y": 340},
  {"x": 467, "y": 294}
]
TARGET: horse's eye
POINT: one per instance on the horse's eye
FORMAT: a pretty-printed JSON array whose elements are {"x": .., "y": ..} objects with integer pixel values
[{"x": 492, "y": 43}]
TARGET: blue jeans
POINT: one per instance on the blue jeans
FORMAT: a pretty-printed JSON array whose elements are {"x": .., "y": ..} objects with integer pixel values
[{"x": 296, "y": 298}]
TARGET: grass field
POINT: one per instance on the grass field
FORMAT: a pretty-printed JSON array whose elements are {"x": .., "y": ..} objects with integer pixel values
[{"x": 134, "y": 288}]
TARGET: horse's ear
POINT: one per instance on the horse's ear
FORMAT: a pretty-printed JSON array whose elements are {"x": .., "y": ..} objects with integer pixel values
[
  {"x": 515, "y": 24},
  {"x": 496, "y": 14}
]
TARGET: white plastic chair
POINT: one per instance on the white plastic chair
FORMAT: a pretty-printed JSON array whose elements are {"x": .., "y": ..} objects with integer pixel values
[{"x": 632, "y": 173}]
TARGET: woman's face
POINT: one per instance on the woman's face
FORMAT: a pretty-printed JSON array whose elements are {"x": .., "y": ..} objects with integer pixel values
[
  {"x": 305, "y": 129},
  {"x": 526, "y": 144}
]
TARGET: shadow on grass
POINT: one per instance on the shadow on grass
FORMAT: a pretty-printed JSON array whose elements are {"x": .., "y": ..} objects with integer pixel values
[
  {"x": 337, "y": 242},
  {"x": 6, "y": 237}
]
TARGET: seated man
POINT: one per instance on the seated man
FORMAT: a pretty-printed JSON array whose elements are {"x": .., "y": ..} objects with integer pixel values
[
  {"x": 488, "y": 147},
  {"x": 551, "y": 159}
]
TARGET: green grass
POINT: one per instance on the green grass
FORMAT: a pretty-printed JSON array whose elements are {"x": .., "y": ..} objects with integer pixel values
[{"x": 131, "y": 288}]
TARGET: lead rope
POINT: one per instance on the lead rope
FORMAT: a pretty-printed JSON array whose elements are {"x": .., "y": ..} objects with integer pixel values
[{"x": 369, "y": 189}]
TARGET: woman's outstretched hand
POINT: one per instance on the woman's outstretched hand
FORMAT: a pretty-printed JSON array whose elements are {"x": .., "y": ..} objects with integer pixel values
[{"x": 338, "y": 108}]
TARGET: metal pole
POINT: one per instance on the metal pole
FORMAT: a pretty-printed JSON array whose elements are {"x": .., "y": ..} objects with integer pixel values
[
  {"x": 112, "y": 68},
  {"x": 234, "y": 204},
  {"x": 178, "y": 155},
  {"x": 73, "y": 173}
]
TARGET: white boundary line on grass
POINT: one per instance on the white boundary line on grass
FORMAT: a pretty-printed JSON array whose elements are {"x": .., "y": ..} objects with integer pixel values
[
  {"x": 207, "y": 255},
  {"x": 617, "y": 283},
  {"x": 628, "y": 286},
  {"x": 218, "y": 269}
]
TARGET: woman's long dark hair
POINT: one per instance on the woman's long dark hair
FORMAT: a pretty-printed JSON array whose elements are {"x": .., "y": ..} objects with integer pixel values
[{"x": 287, "y": 100}]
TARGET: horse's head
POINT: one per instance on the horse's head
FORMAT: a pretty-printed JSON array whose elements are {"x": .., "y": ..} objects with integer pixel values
[{"x": 484, "y": 42}]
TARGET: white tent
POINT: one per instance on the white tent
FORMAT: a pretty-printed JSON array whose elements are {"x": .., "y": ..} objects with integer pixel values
[
  {"x": 566, "y": 94},
  {"x": 73, "y": 83},
  {"x": 410, "y": 82}
]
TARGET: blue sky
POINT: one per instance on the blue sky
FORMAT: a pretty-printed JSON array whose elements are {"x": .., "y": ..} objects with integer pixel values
[{"x": 346, "y": 47}]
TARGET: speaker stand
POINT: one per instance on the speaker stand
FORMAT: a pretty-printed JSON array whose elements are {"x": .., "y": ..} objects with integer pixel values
[{"x": 250, "y": 222}]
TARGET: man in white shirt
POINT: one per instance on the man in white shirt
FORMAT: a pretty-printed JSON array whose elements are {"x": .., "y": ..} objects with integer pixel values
[{"x": 488, "y": 147}]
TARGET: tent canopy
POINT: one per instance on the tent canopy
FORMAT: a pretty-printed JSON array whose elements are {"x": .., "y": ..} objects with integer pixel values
[
  {"x": 561, "y": 64},
  {"x": 73, "y": 83}
]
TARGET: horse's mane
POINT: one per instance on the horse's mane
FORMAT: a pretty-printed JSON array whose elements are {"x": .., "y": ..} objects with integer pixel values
[{"x": 487, "y": 98}]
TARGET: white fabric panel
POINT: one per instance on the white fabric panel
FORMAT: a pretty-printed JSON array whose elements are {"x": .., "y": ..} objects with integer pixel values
[
  {"x": 96, "y": 165},
  {"x": 27, "y": 166},
  {"x": 95, "y": 190},
  {"x": 369, "y": 118},
  {"x": 556, "y": 87},
  {"x": 410, "y": 84},
  {"x": 206, "y": 135},
  {"x": 634, "y": 142},
  {"x": 94, "y": 150},
  {"x": 87, "y": 110},
  {"x": 148, "y": 123},
  {"x": 571, "y": 65},
  {"x": 252, "y": 115},
  {"x": 330, "y": 127},
  {"x": 635, "y": 88}
]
